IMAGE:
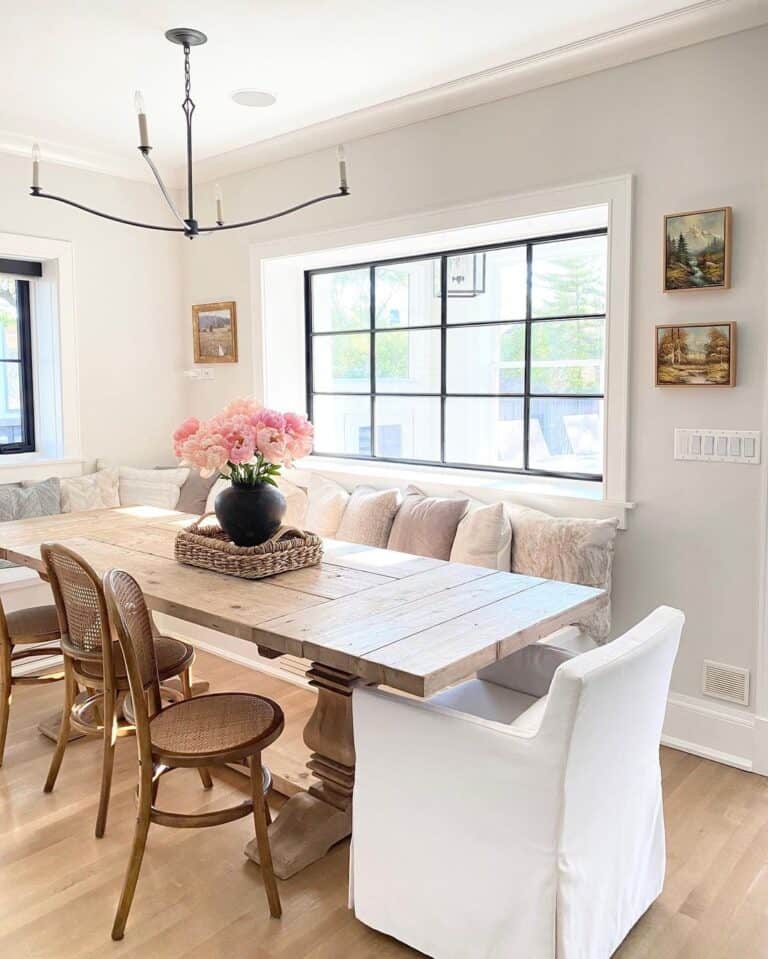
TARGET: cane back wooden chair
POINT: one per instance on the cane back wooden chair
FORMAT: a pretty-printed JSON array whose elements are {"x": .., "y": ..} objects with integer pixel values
[
  {"x": 36, "y": 629},
  {"x": 94, "y": 661},
  {"x": 200, "y": 732}
]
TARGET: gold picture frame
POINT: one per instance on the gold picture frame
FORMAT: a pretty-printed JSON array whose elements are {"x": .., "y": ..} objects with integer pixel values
[
  {"x": 697, "y": 250},
  {"x": 695, "y": 354},
  {"x": 214, "y": 332}
]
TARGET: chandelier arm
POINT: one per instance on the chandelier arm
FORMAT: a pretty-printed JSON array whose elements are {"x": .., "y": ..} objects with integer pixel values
[
  {"x": 106, "y": 216},
  {"x": 274, "y": 216},
  {"x": 163, "y": 190}
]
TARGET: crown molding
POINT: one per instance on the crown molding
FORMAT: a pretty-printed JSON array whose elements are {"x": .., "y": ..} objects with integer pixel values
[{"x": 702, "y": 21}]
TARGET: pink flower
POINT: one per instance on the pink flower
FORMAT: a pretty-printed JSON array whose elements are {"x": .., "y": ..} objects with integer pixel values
[
  {"x": 271, "y": 444},
  {"x": 270, "y": 418},
  {"x": 245, "y": 406},
  {"x": 188, "y": 428},
  {"x": 299, "y": 435}
]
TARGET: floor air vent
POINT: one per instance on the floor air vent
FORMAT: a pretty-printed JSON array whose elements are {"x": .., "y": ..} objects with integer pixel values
[{"x": 726, "y": 682}]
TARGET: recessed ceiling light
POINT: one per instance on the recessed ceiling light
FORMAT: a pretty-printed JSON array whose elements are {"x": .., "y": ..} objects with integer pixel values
[{"x": 253, "y": 98}]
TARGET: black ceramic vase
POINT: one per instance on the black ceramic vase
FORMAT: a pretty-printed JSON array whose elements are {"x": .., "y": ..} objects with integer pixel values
[{"x": 249, "y": 515}]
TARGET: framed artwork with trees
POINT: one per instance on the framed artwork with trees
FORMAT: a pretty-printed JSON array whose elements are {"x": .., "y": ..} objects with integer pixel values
[
  {"x": 696, "y": 354},
  {"x": 697, "y": 250}
]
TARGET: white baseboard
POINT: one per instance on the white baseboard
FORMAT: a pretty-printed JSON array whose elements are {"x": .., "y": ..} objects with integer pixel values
[{"x": 712, "y": 730}]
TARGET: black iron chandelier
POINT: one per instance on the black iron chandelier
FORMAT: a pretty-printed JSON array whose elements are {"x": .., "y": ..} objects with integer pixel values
[{"x": 188, "y": 225}]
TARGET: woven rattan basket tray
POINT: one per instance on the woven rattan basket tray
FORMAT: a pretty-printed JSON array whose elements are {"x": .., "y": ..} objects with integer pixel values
[{"x": 210, "y": 548}]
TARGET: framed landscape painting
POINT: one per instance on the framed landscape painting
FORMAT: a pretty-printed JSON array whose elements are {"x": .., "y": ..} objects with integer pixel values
[
  {"x": 696, "y": 354},
  {"x": 214, "y": 330},
  {"x": 697, "y": 250}
]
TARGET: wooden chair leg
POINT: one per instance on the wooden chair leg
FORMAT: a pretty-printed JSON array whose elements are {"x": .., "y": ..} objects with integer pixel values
[
  {"x": 6, "y": 691},
  {"x": 262, "y": 837},
  {"x": 70, "y": 688},
  {"x": 186, "y": 688},
  {"x": 137, "y": 852},
  {"x": 110, "y": 736}
]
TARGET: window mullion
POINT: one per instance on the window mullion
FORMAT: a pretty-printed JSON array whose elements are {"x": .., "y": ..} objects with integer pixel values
[
  {"x": 527, "y": 355},
  {"x": 443, "y": 351},
  {"x": 372, "y": 334}
]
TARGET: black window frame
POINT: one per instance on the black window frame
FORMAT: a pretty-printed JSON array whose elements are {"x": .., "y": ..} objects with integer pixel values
[
  {"x": 526, "y": 395},
  {"x": 26, "y": 375}
]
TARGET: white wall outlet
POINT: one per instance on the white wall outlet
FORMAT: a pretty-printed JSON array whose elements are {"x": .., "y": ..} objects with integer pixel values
[
  {"x": 718, "y": 446},
  {"x": 199, "y": 374}
]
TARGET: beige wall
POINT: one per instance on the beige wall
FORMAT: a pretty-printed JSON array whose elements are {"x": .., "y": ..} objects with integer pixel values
[
  {"x": 127, "y": 301},
  {"x": 690, "y": 126}
]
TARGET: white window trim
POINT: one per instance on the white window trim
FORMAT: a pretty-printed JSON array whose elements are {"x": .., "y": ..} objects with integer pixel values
[
  {"x": 584, "y": 498},
  {"x": 53, "y": 298}
]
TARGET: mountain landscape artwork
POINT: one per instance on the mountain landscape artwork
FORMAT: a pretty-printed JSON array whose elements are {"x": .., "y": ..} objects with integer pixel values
[
  {"x": 697, "y": 250},
  {"x": 214, "y": 329},
  {"x": 696, "y": 355}
]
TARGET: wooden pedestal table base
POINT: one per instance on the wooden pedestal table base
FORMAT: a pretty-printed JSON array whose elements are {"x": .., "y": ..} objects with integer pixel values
[{"x": 313, "y": 821}]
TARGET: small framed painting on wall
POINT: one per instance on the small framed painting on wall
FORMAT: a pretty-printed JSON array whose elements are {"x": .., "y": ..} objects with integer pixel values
[
  {"x": 696, "y": 354},
  {"x": 214, "y": 332},
  {"x": 697, "y": 250}
]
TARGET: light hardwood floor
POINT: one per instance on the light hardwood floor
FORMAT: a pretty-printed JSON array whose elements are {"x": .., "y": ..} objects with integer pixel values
[{"x": 200, "y": 898}]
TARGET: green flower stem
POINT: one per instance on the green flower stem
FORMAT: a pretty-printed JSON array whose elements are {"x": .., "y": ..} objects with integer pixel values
[{"x": 253, "y": 473}]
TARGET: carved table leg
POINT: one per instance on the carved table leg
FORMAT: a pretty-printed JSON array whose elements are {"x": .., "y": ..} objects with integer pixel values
[{"x": 313, "y": 821}]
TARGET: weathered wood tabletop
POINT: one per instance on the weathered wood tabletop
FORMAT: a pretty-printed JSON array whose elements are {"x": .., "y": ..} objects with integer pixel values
[{"x": 363, "y": 614}]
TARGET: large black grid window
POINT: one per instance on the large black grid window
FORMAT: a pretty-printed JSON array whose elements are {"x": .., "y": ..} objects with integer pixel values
[
  {"x": 17, "y": 416},
  {"x": 489, "y": 358}
]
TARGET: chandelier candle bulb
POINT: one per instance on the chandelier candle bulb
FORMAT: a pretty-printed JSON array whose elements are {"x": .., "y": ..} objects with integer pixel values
[
  {"x": 219, "y": 204},
  {"x": 138, "y": 101},
  {"x": 340, "y": 156},
  {"x": 35, "y": 166}
]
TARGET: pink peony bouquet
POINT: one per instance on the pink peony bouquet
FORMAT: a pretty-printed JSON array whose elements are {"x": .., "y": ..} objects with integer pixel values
[{"x": 245, "y": 442}]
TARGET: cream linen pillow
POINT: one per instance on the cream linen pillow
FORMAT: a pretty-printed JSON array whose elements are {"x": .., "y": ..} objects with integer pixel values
[
  {"x": 426, "y": 525},
  {"x": 217, "y": 487},
  {"x": 98, "y": 490},
  {"x": 143, "y": 487},
  {"x": 368, "y": 517},
  {"x": 297, "y": 503},
  {"x": 327, "y": 502},
  {"x": 484, "y": 537},
  {"x": 568, "y": 549}
]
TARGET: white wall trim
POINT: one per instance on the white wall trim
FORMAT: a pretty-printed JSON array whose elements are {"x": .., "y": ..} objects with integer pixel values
[
  {"x": 53, "y": 305},
  {"x": 357, "y": 244},
  {"x": 710, "y": 730}
]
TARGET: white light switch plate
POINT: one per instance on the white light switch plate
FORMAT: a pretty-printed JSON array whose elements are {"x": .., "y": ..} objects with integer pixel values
[{"x": 718, "y": 446}]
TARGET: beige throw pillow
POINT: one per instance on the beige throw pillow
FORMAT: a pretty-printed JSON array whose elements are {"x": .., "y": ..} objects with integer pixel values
[
  {"x": 98, "y": 490},
  {"x": 484, "y": 538},
  {"x": 569, "y": 549},
  {"x": 327, "y": 502},
  {"x": 368, "y": 517},
  {"x": 297, "y": 502},
  {"x": 144, "y": 487},
  {"x": 426, "y": 525}
]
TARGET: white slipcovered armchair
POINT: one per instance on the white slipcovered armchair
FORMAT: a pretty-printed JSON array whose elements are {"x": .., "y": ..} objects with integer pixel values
[{"x": 517, "y": 827}]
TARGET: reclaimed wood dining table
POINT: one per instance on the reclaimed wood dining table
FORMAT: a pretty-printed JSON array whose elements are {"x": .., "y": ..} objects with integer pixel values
[{"x": 362, "y": 615}]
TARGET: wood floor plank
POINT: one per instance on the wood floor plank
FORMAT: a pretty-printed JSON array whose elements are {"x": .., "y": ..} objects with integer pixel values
[{"x": 199, "y": 898}]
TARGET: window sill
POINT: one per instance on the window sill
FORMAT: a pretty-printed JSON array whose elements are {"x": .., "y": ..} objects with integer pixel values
[{"x": 554, "y": 495}]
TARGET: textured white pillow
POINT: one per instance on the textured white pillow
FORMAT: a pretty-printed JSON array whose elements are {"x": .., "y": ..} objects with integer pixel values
[
  {"x": 297, "y": 500},
  {"x": 369, "y": 516},
  {"x": 217, "y": 487},
  {"x": 98, "y": 490},
  {"x": 140, "y": 487},
  {"x": 570, "y": 549},
  {"x": 327, "y": 502},
  {"x": 484, "y": 538}
]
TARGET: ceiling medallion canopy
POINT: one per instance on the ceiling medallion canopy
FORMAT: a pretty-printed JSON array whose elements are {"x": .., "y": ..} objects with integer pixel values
[{"x": 188, "y": 225}]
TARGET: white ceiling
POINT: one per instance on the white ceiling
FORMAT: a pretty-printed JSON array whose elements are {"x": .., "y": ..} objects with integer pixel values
[{"x": 74, "y": 66}]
